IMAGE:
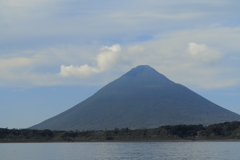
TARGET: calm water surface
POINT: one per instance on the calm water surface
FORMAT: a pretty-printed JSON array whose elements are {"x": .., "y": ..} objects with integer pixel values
[{"x": 120, "y": 150}]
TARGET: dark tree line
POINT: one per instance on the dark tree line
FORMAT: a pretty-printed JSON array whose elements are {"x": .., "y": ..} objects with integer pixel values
[{"x": 227, "y": 130}]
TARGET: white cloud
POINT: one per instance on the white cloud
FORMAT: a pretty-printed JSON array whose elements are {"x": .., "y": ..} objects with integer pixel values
[
  {"x": 41, "y": 67},
  {"x": 105, "y": 60},
  {"x": 82, "y": 71},
  {"x": 203, "y": 53}
]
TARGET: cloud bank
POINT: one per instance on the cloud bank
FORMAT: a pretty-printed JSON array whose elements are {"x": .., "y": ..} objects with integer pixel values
[{"x": 57, "y": 42}]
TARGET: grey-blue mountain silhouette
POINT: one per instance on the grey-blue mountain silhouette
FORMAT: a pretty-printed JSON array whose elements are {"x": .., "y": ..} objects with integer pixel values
[{"x": 141, "y": 98}]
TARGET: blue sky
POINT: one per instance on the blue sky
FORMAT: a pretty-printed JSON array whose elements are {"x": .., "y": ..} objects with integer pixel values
[{"x": 56, "y": 53}]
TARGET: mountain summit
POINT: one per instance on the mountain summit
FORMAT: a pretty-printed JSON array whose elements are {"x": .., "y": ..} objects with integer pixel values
[{"x": 141, "y": 98}]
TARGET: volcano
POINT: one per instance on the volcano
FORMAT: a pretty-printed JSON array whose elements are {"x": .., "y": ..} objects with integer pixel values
[{"x": 141, "y": 98}]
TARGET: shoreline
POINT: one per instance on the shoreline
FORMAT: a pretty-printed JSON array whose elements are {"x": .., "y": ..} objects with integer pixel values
[{"x": 130, "y": 141}]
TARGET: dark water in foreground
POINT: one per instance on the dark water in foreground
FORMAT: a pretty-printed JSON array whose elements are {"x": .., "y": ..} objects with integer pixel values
[{"x": 121, "y": 150}]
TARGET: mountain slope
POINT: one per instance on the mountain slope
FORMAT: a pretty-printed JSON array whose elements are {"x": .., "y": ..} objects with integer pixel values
[{"x": 141, "y": 98}]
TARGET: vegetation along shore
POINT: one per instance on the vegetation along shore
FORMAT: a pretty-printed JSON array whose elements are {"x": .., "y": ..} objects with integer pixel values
[{"x": 220, "y": 132}]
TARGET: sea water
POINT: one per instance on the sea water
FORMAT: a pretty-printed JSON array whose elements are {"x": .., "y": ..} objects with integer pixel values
[{"x": 121, "y": 151}]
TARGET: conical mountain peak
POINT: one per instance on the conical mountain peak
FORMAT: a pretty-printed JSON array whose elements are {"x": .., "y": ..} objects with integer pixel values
[
  {"x": 142, "y": 69},
  {"x": 141, "y": 98},
  {"x": 140, "y": 77},
  {"x": 144, "y": 75}
]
